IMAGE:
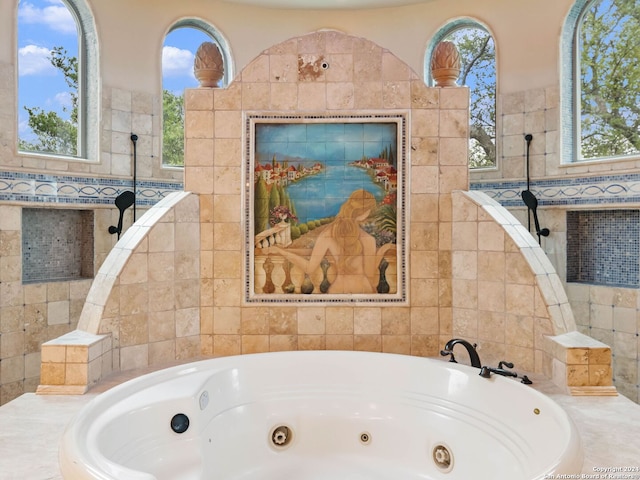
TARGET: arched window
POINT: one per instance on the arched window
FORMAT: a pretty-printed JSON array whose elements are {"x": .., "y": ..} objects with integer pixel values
[
  {"x": 178, "y": 52},
  {"x": 478, "y": 72},
  {"x": 57, "y": 78},
  {"x": 601, "y": 92}
]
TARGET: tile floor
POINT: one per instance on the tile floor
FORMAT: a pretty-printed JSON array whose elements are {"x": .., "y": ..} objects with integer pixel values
[{"x": 31, "y": 427}]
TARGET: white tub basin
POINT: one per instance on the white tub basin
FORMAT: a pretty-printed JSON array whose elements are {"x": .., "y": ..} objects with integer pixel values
[{"x": 321, "y": 415}]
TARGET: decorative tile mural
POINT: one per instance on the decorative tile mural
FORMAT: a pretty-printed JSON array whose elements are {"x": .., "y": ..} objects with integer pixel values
[{"x": 324, "y": 211}]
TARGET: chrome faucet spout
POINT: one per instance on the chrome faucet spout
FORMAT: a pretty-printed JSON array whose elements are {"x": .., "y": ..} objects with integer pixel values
[{"x": 471, "y": 350}]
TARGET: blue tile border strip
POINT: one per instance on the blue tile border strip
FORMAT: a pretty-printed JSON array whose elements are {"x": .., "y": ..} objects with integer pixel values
[
  {"x": 592, "y": 190},
  {"x": 74, "y": 189}
]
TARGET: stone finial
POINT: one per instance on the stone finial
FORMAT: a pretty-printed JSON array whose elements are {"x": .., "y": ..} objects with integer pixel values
[
  {"x": 445, "y": 64},
  {"x": 208, "y": 66}
]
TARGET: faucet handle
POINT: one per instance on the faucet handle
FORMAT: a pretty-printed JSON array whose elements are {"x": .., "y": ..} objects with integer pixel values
[
  {"x": 502, "y": 364},
  {"x": 444, "y": 353}
]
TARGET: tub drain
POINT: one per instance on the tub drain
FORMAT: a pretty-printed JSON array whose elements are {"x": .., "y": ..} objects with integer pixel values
[
  {"x": 281, "y": 436},
  {"x": 443, "y": 458}
]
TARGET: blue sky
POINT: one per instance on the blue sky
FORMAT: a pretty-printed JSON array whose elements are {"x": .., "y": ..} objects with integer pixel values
[{"x": 44, "y": 24}]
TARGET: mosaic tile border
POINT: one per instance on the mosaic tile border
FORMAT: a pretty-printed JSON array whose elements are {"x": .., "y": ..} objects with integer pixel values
[
  {"x": 354, "y": 299},
  {"x": 592, "y": 190},
  {"x": 67, "y": 189}
]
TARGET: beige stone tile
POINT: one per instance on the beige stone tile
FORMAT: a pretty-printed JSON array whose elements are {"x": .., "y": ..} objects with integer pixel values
[
  {"x": 187, "y": 293},
  {"x": 163, "y": 326},
  {"x": 198, "y": 152},
  {"x": 227, "y": 292},
  {"x": 225, "y": 345},
  {"x": 227, "y": 181},
  {"x": 491, "y": 266},
  {"x": 284, "y": 96},
  {"x": 424, "y": 236},
  {"x": 199, "y": 179},
  {"x": 77, "y": 354},
  {"x": 226, "y": 320},
  {"x": 396, "y": 321},
  {"x": 198, "y": 99},
  {"x": 256, "y": 95},
  {"x": 283, "y": 67},
  {"x": 396, "y": 344},
  {"x": 188, "y": 348},
  {"x": 519, "y": 330},
  {"x": 58, "y": 313},
  {"x": 339, "y": 320},
  {"x": 367, "y": 342},
  {"x": 600, "y": 375},
  {"x": 284, "y": 320},
  {"x": 464, "y": 236},
  {"x": 228, "y": 124},
  {"x": 162, "y": 352},
  {"x": 254, "y": 321},
  {"x": 464, "y": 265},
  {"x": 255, "y": 343},
  {"x": 519, "y": 299},
  {"x": 465, "y": 293},
  {"x": 187, "y": 263},
  {"x": 76, "y": 374},
  {"x": 577, "y": 356},
  {"x": 396, "y": 94},
  {"x": 312, "y": 321},
  {"x": 491, "y": 326},
  {"x": 53, "y": 353},
  {"x": 52, "y": 374},
  {"x": 227, "y": 236},
  {"x": 340, "y": 96},
  {"x": 134, "y": 329},
  {"x": 367, "y": 321},
  {"x": 368, "y": 95},
  {"x": 491, "y": 296},
  {"x": 339, "y": 342},
  {"x": 465, "y": 323},
  {"x": 424, "y": 264},
  {"x": 312, "y": 96},
  {"x": 134, "y": 299},
  {"x": 424, "y": 320},
  {"x": 424, "y": 292},
  {"x": 340, "y": 67},
  {"x": 257, "y": 70},
  {"x": 311, "y": 342},
  {"x": 424, "y": 345},
  {"x": 280, "y": 343},
  {"x": 187, "y": 322},
  {"x": 227, "y": 264}
]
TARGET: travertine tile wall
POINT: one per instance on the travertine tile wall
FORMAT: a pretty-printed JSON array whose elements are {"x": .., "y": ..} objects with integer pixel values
[
  {"x": 595, "y": 306},
  {"x": 362, "y": 77},
  {"x": 29, "y": 314},
  {"x": 33, "y": 314},
  {"x": 611, "y": 316}
]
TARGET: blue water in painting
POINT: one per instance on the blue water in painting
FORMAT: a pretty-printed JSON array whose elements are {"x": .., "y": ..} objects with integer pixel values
[{"x": 320, "y": 196}]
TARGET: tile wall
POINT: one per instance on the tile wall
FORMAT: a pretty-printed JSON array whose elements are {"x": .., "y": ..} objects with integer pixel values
[
  {"x": 584, "y": 188},
  {"x": 31, "y": 314}
]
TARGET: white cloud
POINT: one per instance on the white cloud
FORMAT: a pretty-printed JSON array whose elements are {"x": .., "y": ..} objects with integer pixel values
[
  {"x": 56, "y": 16},
  {"x": 34, "y": 60},
  {"x": 63, "y": 99},
  {"x": 177, "y": 62}
]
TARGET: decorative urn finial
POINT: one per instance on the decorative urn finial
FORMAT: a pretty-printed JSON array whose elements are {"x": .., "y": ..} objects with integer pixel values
[
  {"x": 445, "y": 64},
  {"x": 208, "y": 66}
]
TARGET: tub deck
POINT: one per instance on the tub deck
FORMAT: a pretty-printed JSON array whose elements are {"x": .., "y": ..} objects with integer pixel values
[{"x": 31, "y": 427}]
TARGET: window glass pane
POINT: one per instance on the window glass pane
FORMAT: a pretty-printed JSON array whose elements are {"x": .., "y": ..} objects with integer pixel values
[
  {"x": 478, "y": 72},
  {"x": 178, "y": 53},
  {"x": 47, "y": 78},
  {"x": 609, "y": 79}
]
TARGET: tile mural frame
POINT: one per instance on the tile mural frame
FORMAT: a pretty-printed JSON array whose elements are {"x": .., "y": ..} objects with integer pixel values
[{"x": 252, "y": 121}]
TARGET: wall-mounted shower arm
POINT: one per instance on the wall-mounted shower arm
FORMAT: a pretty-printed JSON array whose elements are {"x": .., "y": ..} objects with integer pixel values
[{"x": 134, "y": 139}]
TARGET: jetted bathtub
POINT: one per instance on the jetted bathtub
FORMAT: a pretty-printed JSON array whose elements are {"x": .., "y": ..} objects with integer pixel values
[{"x": 320, "y": 415}]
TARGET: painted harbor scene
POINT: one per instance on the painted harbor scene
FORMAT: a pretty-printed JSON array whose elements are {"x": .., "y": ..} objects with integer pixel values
[{"x": 325, "y": 208}]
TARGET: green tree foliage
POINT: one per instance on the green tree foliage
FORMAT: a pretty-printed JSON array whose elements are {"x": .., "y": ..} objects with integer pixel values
[
  {"x": 172, "y": 128},
  {"x": 610, "y": 79},
  {"x": 478, "y": 72},
  {"x": 260, "y": 206},
  {"x": 55, "y": 134}
]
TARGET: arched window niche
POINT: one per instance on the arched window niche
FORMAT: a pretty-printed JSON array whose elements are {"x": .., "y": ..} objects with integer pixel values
[
  {"x": 478, "y": 72},
  {"x": 179, "y": 47},
  {"x": 599, "y": 88},
  {"x": 78, "y": 119}
]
